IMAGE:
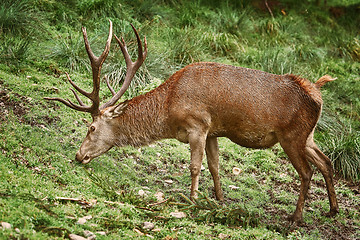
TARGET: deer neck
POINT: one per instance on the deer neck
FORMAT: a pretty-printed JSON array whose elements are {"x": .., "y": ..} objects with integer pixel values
[{"x": 143, "y": 121}]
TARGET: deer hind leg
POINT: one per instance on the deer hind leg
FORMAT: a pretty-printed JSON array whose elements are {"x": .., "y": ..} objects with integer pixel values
[
  {"x": 323, "y": 163},
  {"x": 212, "y": 155},
  {"x": 197, "y": 141},
  {"x": 297, "y": 157}
]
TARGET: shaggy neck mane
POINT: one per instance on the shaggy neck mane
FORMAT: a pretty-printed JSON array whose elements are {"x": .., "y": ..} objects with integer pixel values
[{"x": 144, "y": 119}]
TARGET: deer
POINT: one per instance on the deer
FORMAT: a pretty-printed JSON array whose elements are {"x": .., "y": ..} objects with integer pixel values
[{"x": 202, "y": 102}]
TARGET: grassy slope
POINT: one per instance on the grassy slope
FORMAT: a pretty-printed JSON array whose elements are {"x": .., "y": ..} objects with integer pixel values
[{"x": 40, "y": 138}]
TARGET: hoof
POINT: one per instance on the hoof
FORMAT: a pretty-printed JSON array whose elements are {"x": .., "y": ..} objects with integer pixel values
[
  {"x": 221, "y": 199},
  {"x": 296, "y": 220},
  {"x": 332, "y": 213}
]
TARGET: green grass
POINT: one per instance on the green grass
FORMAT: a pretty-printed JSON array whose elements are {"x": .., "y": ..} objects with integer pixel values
[{"x": 39, "y": 139}]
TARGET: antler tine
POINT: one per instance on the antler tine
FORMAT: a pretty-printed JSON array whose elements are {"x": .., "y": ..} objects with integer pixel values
[
  {"x": 69, "y": 104},
  {"x": 109, "y": 86},
  {"x": 131, "y": 66},
  {"x": 96, "y": 64},
  {"x": 141, "y": 54},
  {"x": 77, "y": 97}
]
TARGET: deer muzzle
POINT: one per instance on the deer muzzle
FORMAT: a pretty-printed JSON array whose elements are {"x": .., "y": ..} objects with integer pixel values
[{"x": 84, "y": 159}]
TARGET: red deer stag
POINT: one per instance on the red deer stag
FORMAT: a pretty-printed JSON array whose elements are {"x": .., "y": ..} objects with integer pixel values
[{"x": 202, "y": 102}]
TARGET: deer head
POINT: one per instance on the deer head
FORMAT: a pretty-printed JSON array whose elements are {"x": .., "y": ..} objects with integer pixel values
[{"x": 99, "y": 136}]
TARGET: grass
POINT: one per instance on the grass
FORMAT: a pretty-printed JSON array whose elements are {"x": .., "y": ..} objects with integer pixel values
[{"x": 44, "y": 193}]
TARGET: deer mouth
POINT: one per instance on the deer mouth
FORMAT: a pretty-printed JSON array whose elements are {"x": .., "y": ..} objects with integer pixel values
[
  {"x": 86, "y": 160},
  {"x": 82, "y": 159}
]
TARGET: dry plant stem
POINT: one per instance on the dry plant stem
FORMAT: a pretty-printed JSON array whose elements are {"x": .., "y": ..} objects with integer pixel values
[{"x": 269, "y": 9}]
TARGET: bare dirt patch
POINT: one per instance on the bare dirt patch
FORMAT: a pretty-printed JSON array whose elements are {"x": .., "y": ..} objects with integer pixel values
[
  {"x": 20, "y": 105},
  {"x": 7, "y": 103}
]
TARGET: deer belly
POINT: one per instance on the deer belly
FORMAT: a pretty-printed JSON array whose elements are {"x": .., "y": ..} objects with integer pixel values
[{"x": 254, "y": 139}]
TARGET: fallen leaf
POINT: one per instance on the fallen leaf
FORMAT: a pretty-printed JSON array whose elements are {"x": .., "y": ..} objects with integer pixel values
[
  {"x": 169, "y": 181},
  {"x": 148, "y": 225},
  {"x": 233, "y": 187}
]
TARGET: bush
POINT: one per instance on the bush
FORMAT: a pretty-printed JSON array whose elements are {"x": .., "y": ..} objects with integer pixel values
[{"x": 341, "y": 143}]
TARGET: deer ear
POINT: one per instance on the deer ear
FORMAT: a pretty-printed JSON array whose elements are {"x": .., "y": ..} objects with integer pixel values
[{"x": 117, "y": 110}]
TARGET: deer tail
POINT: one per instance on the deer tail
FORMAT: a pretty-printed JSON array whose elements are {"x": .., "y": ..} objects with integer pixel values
[{"x": 324, "y": 79}]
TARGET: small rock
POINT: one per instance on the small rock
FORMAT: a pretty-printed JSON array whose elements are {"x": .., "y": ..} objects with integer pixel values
[
  {"x": 159, "y": 196},
  {"x": 283, "y": 175},
  {"x": 223, "y": 236},
  {"x": 5, "y": 225},
  {"x": 76, "y": 237},
  {"x": 178, "y": 214},
  {"x": 88, "y": 234},
  {"x": 17, "y": 230},
  {"x": 83, "y": 220},
  {"x": 236, "y": 171},
  {"x": 202, "y": 168},
  {"x": 102, "y": 233},
  {"x": 141, "y": 193},
  {"x": 148, "y": 226}
]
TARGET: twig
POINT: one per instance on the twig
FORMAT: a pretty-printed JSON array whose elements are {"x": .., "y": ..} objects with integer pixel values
[
  {"x": 269, "y": 9},
  {"x": 158, "y": 203},
  {"x": 118, "y": 203},
  {"x": 80, "y": 201},
  {"x": 145, "y": 208}
]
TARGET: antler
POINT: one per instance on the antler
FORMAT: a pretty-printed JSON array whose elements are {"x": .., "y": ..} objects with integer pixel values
[
  {"x": 96, "y": 64},
  {"x": 131, "y": 67}
]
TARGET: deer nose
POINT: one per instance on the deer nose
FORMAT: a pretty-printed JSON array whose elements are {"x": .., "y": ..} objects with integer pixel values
[
  {"x": 78, "y": 157},
  {"x": 81, "y": 158}
]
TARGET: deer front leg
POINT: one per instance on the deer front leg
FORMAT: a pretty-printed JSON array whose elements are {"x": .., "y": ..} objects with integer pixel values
[{"x": 197, "y": 143}]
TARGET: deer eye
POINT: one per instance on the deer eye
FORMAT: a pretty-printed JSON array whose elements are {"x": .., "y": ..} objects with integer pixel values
[{"x": 92, "y": 128}]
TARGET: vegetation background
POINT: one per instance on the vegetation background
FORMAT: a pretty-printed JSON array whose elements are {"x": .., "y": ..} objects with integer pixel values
[{"x": 138, "y": 193}]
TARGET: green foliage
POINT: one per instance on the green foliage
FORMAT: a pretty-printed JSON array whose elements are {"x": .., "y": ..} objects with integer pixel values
[
  {"x": 14, "y": 49},
  {"x": 17, "y": 17},
  {"x": 69, "y": 50},
  {"x": 342, "y": 145}
]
